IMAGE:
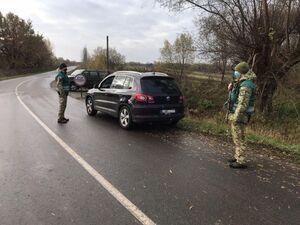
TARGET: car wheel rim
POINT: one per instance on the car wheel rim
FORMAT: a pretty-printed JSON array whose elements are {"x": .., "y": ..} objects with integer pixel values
[
  {"x": 124, "y": 117},
  {"x": 89, "y": 105}
]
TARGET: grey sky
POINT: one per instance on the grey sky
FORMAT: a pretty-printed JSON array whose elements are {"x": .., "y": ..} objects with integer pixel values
[{"x": 137, "y": 28}]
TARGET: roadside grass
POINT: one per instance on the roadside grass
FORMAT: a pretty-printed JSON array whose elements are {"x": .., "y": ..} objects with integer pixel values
[
  {"x": 204, "y": 99},
  {"x": 205, "y": 76},
  {"x": 14, "y": 74},
  {"x": 3, "y": 77},
  {"x": 211, "y": 127}
]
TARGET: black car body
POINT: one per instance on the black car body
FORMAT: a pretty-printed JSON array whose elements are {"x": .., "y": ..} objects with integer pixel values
[
  {"x": 93, "y": 78},
  {"x": 135, "y": 97}
]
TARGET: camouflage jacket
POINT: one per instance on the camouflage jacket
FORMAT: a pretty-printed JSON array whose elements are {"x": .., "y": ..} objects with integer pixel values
[
  {"x": 245, "y": 98},
  {"x": 62, "y": 82}
]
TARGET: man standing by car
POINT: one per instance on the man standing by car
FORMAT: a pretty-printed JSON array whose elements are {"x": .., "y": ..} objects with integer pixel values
[
  {"x": 62, "y": 88},
  {"x": 243, "y": 98}
]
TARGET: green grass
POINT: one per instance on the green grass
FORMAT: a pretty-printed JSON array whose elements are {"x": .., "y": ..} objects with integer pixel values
[
  {"x": 293, "y": 149},
  {"x": 221, "y": 129},
  {"x": 204, "y": 126},
  {"x": 8, "y": 77},
  {"x": 205, "y": 76},
  {"x": 14, "y": 76}
]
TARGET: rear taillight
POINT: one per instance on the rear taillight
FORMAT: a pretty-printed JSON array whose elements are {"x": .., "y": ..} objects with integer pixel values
[
  {"x": 181, "y": 99},
  {"x": 143, "y": 98}
]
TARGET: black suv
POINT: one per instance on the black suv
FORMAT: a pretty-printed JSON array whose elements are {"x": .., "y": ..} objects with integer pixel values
[
  {"x": 93, "y": 78},
  {"x": 135, "y": 97}
]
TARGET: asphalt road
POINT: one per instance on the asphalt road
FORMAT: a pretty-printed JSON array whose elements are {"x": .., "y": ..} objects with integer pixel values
[{"x": 156, "y": 175}]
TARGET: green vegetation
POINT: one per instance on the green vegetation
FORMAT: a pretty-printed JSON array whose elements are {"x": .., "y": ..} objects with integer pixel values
[
  {"x": 10, "y": 75},
  {"x": 211, "y": 127},
  {"x": 98, "y": 59},
  {"x": 206, "y": 76},
  {"x": 22, "y": 50}
]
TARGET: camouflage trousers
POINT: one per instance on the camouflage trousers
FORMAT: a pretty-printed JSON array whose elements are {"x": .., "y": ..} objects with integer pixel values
[
  {"x": 238, "y": 136},
  {"x": 62, "y": 105}
]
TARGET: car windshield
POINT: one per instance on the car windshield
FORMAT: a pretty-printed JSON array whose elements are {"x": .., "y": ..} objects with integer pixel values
[
  {"x": 76, "y": 72},
  {"x": 159, "y": 86}
]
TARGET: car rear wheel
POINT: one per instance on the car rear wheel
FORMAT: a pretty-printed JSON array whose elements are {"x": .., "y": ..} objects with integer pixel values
[
  {"x": 125, "y": 119},
  {"x": 90, "y": 107}
]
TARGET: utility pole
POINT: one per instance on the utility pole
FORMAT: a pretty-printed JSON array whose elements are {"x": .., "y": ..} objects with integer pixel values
[{"x": 107, "y": 54}]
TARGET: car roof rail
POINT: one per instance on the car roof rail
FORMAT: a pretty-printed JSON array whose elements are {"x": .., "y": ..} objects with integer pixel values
[
  {"x": 126, "y": 72},
  {"x": 156, "y": 74}
]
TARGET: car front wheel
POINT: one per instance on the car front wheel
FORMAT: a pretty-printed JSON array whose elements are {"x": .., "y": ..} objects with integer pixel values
[
  {"x": 125, "y": 118},
  {"x": 90, "y": 107}
]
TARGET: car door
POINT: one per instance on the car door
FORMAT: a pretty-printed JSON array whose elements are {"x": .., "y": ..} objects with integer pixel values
[
  {"x": 103, "y": 95},
  {"x": 117, "y": 91}
]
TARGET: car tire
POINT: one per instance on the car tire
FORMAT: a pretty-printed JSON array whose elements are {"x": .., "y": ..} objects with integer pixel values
[
  {"x": 125, "y": 118},
  {"x": 90, "y": 107}
]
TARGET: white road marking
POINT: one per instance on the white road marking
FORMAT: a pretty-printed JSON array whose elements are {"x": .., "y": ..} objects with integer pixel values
[{"x": 134, "y": 210}]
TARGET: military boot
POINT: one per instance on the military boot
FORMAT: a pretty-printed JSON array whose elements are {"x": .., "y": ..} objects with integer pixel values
[
  {"x": 231, "y": 160},
  {"x": 236, "y": 165},
  {"x": 63, "y": 120}
]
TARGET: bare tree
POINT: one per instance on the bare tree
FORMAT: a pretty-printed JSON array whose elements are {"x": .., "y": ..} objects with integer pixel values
[
  {"x": 269, "y": 30},
  {"x": 211, "y": 44},
  {"x": 179, "y": 54}
]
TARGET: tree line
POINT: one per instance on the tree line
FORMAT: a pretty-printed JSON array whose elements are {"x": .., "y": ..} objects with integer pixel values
[
  {"x": 21, "y": 48},
  {"x": 98, "y": 59}
]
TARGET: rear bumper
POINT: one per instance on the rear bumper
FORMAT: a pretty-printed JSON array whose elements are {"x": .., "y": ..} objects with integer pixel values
[
  {"x": 141, "y": 114},
  {"x": 144, "y": 119}
]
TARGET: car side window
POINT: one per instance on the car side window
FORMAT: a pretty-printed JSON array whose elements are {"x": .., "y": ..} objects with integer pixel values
[
  {"x": 107, "y": 83},
  {"x": 118, "y": 82},
  {"x": 128, "y": 84}
]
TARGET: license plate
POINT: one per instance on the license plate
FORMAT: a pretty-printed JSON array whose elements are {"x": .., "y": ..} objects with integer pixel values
[{"x": 168, "y": 111}]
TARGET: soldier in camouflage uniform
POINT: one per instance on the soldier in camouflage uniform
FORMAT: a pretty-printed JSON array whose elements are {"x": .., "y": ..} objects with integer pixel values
[
  {"x": 242, "y": 98},
  {"x": 62, "y": 88}
]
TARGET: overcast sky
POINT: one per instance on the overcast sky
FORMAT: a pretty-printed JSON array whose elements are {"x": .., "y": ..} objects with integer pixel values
[{"x": 137, "y": 28}]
